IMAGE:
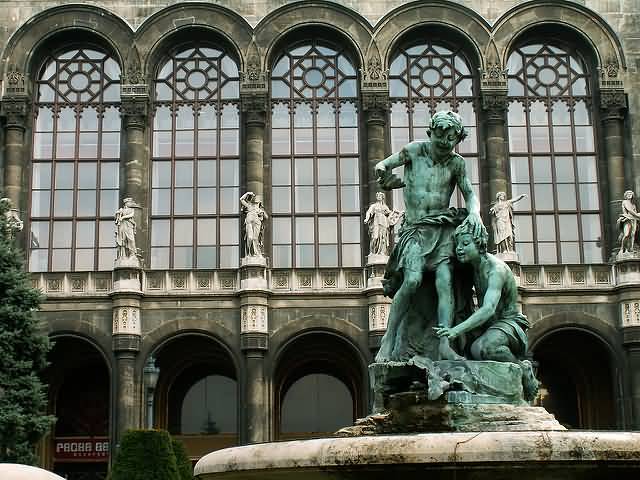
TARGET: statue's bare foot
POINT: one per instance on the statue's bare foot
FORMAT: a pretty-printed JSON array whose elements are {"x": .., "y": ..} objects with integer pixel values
[{"x": 445, "y": 352}]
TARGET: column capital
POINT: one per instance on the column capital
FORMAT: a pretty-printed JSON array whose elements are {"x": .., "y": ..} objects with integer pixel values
[
  {"x": 631, "y": 337},
  {"x": 134, "y": 107},
  {"x": 254, "y": 104},
  {"x": 375, "y": 104},
  {"x": 126, "y": 344},
  {"x": 256, "y": 341},
  {"x": 495, "y": 103},
  {"x": 613, "y": 104},
  {"x": 15, "y": 110}
]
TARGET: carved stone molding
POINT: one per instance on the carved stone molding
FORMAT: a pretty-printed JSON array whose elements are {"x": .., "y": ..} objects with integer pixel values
[
  {"x": 133, "y": 75},
  {"x": 493, "y": 77},
  {"x": 253, "y": 78},
  {"x": 16, "y": 84},
  {"x": 15, "y": 110},
  {"x": 254, "y": 106},
  {"x": 373, "y": 77},
  {"x": 630, "y": 314},
  {"x": 254, "y": 341},
  {"x": 378, "y": 316},
  {"x": 375, "y": 105},
  {"x": 254, "y": 318},
  {"x": 126, "y": 320},
  {"x": 610, "y": 75}
]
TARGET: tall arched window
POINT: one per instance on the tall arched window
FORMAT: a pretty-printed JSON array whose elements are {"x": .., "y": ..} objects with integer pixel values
[
  {"x": 553, "y": 156},
  {"x": 315, "y": 171},
  {"x": 195, "y": 175},
  {"x": 75, "y": 170},
  {"x": 426, "y": 77}
]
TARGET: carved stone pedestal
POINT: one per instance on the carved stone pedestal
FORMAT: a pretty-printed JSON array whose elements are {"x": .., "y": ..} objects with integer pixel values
[
  {"x": 627, "y": 267},
  {"x": 127, "y": 279},
  {"x": 376, "y": 265},
  {"x": 253, "y": 273}
]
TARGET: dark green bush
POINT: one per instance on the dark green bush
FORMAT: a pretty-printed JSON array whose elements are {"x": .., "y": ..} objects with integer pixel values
[
  {"x": 185, "y": 470},
  {"x": 145, "y": 455}
]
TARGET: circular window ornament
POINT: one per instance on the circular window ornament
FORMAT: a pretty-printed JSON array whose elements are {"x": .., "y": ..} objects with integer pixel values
[
  {"x": 197, "y": 79},
  {"x": 547, "y": 76},
  {"x": 431, "y": 76},
  {"x": 79, "y": 82},
  {"x": 313, "y": 77}
]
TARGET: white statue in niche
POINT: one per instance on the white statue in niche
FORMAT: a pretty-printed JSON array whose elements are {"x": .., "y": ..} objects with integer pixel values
[
  {"x": 380, "y": 219},
  {"x": 628, "y": 224},
  {"x": 254, "y": 224},
  {"x": 14, "y": 224},
  {"x": 502, "y": 222},
  {"x": 126, "y": 232}
]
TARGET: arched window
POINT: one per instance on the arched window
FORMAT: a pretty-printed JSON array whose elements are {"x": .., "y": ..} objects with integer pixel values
[
  {"x": 553, "y": 156},
  {"x": 209, "y": 407},
  {"x": 426, "y": 77},
  {"x": 315, "y": 171},
  {"x": 75, "y": 162},
  {"x": 195, "y": 161}
]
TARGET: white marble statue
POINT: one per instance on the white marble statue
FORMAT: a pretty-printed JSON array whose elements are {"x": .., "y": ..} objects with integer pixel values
[
  {"x": 502, "y": 222},
  {"x": 380, "y": 219},
  {"x": 126, "y": 230},
  {"x": 14, "y": 224},
  {"x": 254, "y": 224},
  {"x": 628, "y": 224}
]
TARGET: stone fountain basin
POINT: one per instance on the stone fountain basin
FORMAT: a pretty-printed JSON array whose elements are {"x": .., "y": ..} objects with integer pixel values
[{"x": 525, "y": 455}]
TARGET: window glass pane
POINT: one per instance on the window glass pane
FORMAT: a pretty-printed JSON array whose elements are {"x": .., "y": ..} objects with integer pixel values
[
  {"x": 327, "y": 171},
  {"x": 546, "y": 228},
  {"x": 568, "y": 225},
  {"x": 229, "y": 256},
  {"x": 282, "y": 256},
  {"x": 304, "y": 198},
  {"x": 207, "y": 173},
  {"x": 351, "y": 229},
  {"x": 281, "y": 230},
  {"x": 207, "y": 257},
  {"x": 229, "y": 200},
  {"x": 207, "y": 201},
  {"x": 348, "y": 140},
  {"x": 328, "y": 230},
  {"x": 525, "y": 203},
  {"x": 351, "y": 255},
  {"x": 184, "y": 143},
  {"x": 38, "y": 260},
  {"x": 160, "y": 233},
  {"x": 207, "y": 231},
  {"x": 281, "y": 199},
  {"x": 106, "y": 258},
  {"x": 523, "y": 228},
  {"x": 229, "y": 232},
  {"x": 61, "y": 260},
  {"x": 304, "y": 230},
  {"x": 111, "y": 145},
  {"x": 519, "y": 169},
  {"x": 39, "y": 235},
  {"x": 84, "y": 259},
  {"x": 587, "y": 169},
  {"x": 303, "y": 141},
  {"x": 42, "y": 145},
  {"x": 305, "y": 256},
  {"x": 564, "y": 169},
  {"x": 62, "y": 235},
  {"x": 591, "y": 227},
  {"x": 547, "y": 253},
  {"x": 64, "y": 175},
  {"x": 109, "y": 175},
  {"x": 183, "y": 201},
  {"x": 592, "y": 252},
  {"x": 589, "y": 199},
  {"x": 566, "y": 196},
  {"x": 280, "y": 142},
  {"x": 183, "y": 232},
  {"x": 517, "y": 139},
  {"x": 544, "y": 196},
  {"x": 41, "y": 175},
  {"x": 327, "y": 199},
  {"x": 350, "y": 199},
  {"x": 63, "y": 203},
  {"x": 40, "y": 203},
  {"x": 160, "y": 257},
  {"x": 280, "y": 171},
  {"x": 542, "y": 169},
  {"x": 304, "y": 171},
  {"x": 183, "y": 174},
  {"x": 182, "y": 257},
  {"x": 349, "y": 171},
  {"x": 570, "y": 252},
  {"x": 86, "y": 204},
  {"x": 328, "y": 255}
]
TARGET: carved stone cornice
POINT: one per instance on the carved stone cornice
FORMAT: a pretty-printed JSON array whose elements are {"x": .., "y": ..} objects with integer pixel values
[
  {"x": 494, "y": 77},
  {"x": 375, "y": 105},
  {"x": 254, "y": 106},
  {"x": 134, "y": 110},
  {"x": 495, "y": 103},
  {"x": 15, "y": 110},
  {"x": 373, "y": 77}
]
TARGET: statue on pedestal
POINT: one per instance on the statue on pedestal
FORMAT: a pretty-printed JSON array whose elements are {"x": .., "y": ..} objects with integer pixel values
[
  {"x": 254, "y": 223},
  {"x": 502, "y": 222},
  {"x": 126, "y": 232},
  {"x": 380, "y": 219},
  {"x": 628, "y": 224},
  {"x": 419, "y": 275}
]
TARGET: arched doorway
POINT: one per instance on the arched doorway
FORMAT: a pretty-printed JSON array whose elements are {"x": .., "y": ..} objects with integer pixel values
[
  {"x": 79, "y": 396},
  {"x": 196, "y": 397},
  {"x": 319, "y": 386},
  {"x": 577, "y": 379}
]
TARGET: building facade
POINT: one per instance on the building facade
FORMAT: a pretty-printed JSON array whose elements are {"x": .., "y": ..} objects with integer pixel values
[{"x": 183, "y": 107}]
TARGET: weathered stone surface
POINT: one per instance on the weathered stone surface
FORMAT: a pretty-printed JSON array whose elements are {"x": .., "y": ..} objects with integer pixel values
[{"x": 488, "y": 455}]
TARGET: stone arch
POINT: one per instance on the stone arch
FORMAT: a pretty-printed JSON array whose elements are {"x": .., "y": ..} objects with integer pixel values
[
  {"x": 587, "y": 24},
  {"x": 580, "y": 369},
  {"x": 28, "y": 46},
  {"x": 155, "y": 35},
  {"x": 280, "y": 24},
  {"x": 320, "y": 351},
  {"x": 184, "y": 359},
  {"x": 87, "y": 331},
  {"x": 467, "y": 24}
]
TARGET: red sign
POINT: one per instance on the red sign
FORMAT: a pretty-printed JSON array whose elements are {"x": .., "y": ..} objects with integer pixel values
[{"x": 81, "y": 448}]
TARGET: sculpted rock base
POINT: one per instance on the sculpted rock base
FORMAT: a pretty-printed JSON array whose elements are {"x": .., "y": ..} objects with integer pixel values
[{"x": 449, "y": 396}]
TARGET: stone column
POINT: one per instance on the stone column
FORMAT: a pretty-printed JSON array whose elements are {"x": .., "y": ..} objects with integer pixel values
[
  {"x": 135, "y": 183},
  {"x": 127, "y": 330},
  {"x": 254, "y": 98},
  {"x": 612, "y": 111},
  {"x": 630, "y": 321},
  {"x": 254, "y": 338},
  {"x": 15, "y": 110},
  {"x": 374, "y": 86},
  {"x": 495, "y": 106}
]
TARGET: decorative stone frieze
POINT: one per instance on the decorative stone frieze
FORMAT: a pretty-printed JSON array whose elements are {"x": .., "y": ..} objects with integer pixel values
[
  {"x": 254, "y": 318},
  {"x": 610, "y": 75},
  {"x": 373, "y": 76},
  {"x": 126, "y": 320},
  {"x": 493, "y": 77},
  {"x": 253, "y": 78},
  {"x": 378, "y": 316},
  {"x": 630, "y": 313},
  {"x": 15, "y": 83}
]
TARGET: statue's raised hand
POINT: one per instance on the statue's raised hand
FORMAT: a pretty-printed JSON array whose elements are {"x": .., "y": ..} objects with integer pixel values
[{"x": 386, "y": 179}]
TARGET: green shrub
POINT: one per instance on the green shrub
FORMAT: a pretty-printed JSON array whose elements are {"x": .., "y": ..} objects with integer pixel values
[
  {"x": 145, "y": 455},
  {"x": 185, "y": 470}
]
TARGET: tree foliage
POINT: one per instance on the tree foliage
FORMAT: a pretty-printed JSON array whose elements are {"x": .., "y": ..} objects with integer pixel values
[
  {"x": 23, "y": 355},
  {"x": 185, "y": 470},
  {"x": 145, "y": 455}
]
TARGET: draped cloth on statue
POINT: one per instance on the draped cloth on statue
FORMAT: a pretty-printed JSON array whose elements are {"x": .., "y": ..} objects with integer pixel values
[{"x": 422, "y": 246}]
